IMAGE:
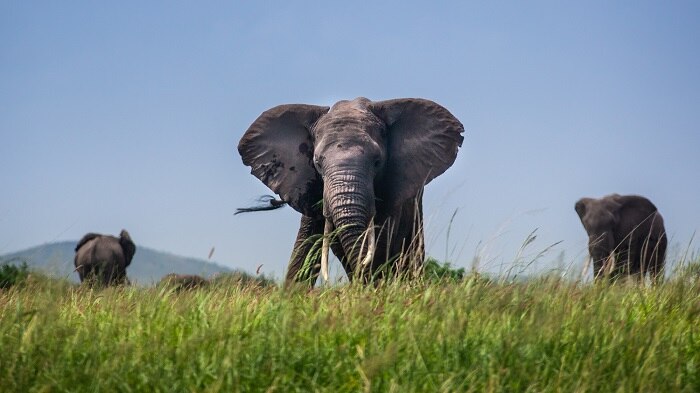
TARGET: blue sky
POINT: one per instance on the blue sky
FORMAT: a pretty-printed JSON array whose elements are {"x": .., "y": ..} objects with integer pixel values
[{"x": 127, "y": 115}]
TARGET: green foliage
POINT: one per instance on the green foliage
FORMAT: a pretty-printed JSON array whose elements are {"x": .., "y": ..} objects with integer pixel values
[
  {"x": 473, "y": 335},
  {"x": 433, "y": 270},
  {"x": 690, "y": 270},
  {"x": 11, "y": 274}
]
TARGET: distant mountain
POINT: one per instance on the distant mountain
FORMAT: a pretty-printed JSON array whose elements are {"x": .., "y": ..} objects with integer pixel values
[{"x": 148, "y": 265}]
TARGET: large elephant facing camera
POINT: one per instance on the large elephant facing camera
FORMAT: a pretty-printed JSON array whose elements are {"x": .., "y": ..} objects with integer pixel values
[
  {"x": 626, "y": 236},
  {"x": 102, "y": 259},
  {"x": 358, "y": 167}
]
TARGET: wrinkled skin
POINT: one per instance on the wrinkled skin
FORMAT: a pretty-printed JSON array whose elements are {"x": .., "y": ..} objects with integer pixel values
[
  {"x": 626, "y": 236},
  {"x": 102, "y": 259},
  {"x": 181, "y": 282},
  {"x": 368, "y": 163}
]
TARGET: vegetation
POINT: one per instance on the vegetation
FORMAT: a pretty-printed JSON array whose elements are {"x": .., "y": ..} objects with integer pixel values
[
  {"x": 433, "y": 270},
  {"x": 12, "y": 274},
  {"x": 690, "y": 271},
  {"x": 466, "y": 335}
]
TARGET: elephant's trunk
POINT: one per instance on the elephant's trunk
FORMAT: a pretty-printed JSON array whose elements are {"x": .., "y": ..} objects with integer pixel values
[{"x": 349, "y": 203}]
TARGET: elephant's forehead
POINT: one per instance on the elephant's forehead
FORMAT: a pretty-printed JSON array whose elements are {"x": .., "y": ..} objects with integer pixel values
[
  {"x": 359, "y": 103},
  {"x": 348, "y": 119},
  {"x": 345, "y": 119}
]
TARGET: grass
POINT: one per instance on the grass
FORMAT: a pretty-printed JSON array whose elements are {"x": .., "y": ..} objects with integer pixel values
[{"x": 468, "y": 336}]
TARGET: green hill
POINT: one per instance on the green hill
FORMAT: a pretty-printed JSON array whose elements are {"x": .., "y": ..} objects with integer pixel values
[{"x": 147, "y": 267}]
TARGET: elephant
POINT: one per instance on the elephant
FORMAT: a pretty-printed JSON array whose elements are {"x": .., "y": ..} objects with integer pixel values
[
  {"x": 356, "y": 172},
  {"x": 626, "y": 236},
  {"x": 103, "y": 259},
  {"x": 182, "y": 282}
]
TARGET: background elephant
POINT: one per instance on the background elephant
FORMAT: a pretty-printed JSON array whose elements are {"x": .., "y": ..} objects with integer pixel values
[
  {"x": 103, "y": 258},
  {"x": 368, "y": 163},
  {"x": 626, "y": 235},
  {"x": 182, "y": 282}
]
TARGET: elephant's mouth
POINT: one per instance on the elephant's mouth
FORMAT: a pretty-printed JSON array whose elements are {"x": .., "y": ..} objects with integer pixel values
[{"x": 368, "y": 242}]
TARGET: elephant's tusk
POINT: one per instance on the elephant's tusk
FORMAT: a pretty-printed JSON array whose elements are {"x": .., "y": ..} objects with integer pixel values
[
  {"x": 369, "y": 238},
  {"x": 610, "y": 264},
  {"x": 586, "y": 266},
  {"x": 325, "y": 248}
]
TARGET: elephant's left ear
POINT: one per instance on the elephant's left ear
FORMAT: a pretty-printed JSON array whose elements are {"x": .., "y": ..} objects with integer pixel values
[{"x": 422, "y": 142}]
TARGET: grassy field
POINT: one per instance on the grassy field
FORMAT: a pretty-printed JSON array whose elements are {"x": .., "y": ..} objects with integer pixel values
[{"x": 475, "y": 335}]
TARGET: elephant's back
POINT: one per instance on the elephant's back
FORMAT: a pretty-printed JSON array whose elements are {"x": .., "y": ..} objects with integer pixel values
[
  {"x": 103, "y": 249},
  {"x": 109, "y": 249},
  {"x": 84, "y": 252}
]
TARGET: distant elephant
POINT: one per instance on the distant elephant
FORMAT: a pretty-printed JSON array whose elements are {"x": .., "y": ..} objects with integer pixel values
[
  {"x": 626, "y": 236},
  {"x": 182, "y": 282},
  {"x": 357, "y": 166},
  {"x": 102, "y": 259}
]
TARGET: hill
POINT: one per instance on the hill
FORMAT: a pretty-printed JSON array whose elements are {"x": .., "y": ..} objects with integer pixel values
[{"x": 147, "y": 267}]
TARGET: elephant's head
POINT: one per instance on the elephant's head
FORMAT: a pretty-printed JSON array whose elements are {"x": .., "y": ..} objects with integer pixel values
[
  {"x": 615, "y": 223},
  {"x": 600, "y": 218},
  {"x": 351, "y": 156},
  {"x": 127, "y": 245}
]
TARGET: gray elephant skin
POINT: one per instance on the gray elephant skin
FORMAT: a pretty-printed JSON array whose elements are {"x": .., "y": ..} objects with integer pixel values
[
  {"x": 360, "y": 167},
  {"x": 182, "y": 282},
  {"x": 103, "y": 259},
  {"x": 626, "y": 236}
]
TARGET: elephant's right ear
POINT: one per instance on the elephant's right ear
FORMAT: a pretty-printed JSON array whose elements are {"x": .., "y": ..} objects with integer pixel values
[
  {"x": 279, "y": 149},
  {"x": 86, "y": 239}
]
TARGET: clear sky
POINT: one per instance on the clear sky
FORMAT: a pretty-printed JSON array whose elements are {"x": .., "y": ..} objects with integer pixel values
[{"x": 127, "y": 115}]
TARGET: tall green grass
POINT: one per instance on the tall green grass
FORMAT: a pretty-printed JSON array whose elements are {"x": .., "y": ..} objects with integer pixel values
[{"x": 469, "y": 336}]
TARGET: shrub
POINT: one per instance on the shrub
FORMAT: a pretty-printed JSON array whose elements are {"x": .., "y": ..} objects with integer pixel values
[
  {"x": 11, "y": 274},
  {"x": 433, "y": 270}
]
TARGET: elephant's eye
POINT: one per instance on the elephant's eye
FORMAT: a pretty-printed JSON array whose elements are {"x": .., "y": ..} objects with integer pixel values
[{"x": 377, "y": 163}]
